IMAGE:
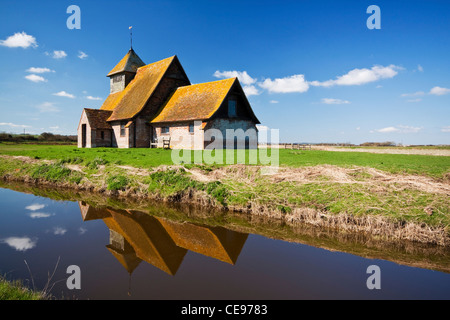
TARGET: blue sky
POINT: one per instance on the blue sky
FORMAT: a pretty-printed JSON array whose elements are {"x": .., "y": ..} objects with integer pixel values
[{"x": 311, "y": 69}]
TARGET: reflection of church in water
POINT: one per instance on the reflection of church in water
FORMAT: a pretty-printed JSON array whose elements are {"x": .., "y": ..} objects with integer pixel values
[{"x": 136, "y": 236}]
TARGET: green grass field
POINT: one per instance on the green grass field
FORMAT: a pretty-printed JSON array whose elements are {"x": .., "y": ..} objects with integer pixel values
[
  {"x": 433, "y": 166},
  {"x": 15, "y": 290}
]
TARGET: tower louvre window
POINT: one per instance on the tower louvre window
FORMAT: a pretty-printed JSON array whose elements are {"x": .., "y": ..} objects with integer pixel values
[{"x": 118, "y": 78}]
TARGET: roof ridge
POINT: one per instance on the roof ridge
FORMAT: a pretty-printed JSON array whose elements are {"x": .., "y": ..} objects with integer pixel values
[
  {"x": 95, "y": 109},
  {"x": 209, "y": 82}
]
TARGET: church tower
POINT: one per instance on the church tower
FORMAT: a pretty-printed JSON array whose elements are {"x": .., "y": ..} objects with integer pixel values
[{"x": 121, "y": 75}]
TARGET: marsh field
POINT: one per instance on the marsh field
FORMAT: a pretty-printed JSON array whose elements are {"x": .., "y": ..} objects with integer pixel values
[{"x": 338, "y": 189}]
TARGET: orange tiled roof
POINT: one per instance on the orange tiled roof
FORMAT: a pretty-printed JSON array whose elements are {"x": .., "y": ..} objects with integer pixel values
[
  {"x": 195, "y": 102},
  {"x": 111, "y": 101},
  {"x": 134, "y": 97},
  {"x": 130, "y": 62}
]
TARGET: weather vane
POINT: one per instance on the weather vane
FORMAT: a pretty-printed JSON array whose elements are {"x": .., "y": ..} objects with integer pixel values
[{"x": 131, "y": 36}]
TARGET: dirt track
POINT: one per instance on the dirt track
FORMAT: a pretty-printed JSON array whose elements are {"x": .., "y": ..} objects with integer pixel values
[{"x": 429, "y": 152}]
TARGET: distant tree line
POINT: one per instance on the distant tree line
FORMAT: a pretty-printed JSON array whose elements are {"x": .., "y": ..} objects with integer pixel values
[
  {"x": 42, "y": 138},
  {"x": 379, "y": 144}
]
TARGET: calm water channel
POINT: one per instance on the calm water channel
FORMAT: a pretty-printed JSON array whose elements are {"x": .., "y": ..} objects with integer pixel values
[{"x": 130, "y": 254}]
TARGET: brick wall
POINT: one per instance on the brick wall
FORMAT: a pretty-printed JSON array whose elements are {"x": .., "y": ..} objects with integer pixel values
[
  {"x": 246, "y": 137},
  {"x": 180, "y": 137},
  {"x": 96, "y": 138}
]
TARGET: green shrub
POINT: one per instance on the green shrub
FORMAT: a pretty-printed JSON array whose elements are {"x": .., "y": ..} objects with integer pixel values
[
  {"x": 172, "y": 181},
  {"x": 76, "y": 177},
  {"x": 117, "y": 182},
  {"x": 74, "y": 160},
  {"x": 93, "y": 164},
  {"x": 51, "y": 172},
  {"x": 218, "y": 191},
  {"x": 284, "y": 209}
]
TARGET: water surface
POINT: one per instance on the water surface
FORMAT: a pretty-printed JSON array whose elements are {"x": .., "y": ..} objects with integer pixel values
[{"x": 125, "y": 253}]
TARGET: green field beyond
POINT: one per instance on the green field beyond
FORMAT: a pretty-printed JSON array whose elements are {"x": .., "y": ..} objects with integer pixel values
[{"x": 433, "y": 166}]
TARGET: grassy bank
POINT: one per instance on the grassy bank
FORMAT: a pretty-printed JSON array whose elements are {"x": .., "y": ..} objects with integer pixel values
[
  {"x": 15, "y": 290},
  {"x": 345, "y": 197}
]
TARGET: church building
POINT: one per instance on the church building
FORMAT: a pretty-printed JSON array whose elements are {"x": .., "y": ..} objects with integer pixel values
[{"x": 155, "y": 105}]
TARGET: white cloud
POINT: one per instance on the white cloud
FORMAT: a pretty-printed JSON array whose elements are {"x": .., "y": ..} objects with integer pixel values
[
  {"x": 20, "y": 243},
  {"x": 409, "y": 129},
  {"x": 445, "y": 129},
  {"x": 38, "y": 215},
  {"x": 54, "y": 128},
  {"x": 47, "y": 107},
  {"x": 35, "y": 206},
  {"x": 82, "y": 55},
  {"x": 334, "y": 101},
  {"x": 399, "y": 129},
  {"x": 295, "y": 83},
  {"x": 93, "y": 98},
  {"x": 39, "y": 70},
  {"x": 243, "y": 76},
  {"x": 59, "y": 54},
  {"x": 64, "y": 94},
  {"x": 59, "y": 231},
  {"x": 388, "y": 130},
  {"x": 35, "y": 78},
  {"x": 361, "y": 76},
  {"x": 420, "y": 68},
  {"x": 273, "y": 101},
  {"x": 251, "y": 91},
  {"x": 82, "y": 230},
  {"x": 439, "y": 91},
  {"x": 358, "y": 128},
  {"x": 9, "y": 124},
  {"x": 19, "y": 39},
  {"x": 415, "y": 94},
  {"x": 414, "y": 100}
]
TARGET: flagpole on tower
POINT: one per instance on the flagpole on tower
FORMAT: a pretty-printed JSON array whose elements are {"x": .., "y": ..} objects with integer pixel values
[{"x": 131, "y": 37}]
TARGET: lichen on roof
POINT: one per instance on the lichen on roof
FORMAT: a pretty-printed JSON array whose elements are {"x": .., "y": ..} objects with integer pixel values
[
  {"x": 129, "y": 63},
  {"x": 195, "y": 102},
  {"x": 111, "y": 101},
  {"x": 134, "y": 97}
]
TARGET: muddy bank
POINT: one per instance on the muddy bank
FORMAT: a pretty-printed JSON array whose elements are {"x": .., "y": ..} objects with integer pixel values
[{"x": 373, "y": 226}]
